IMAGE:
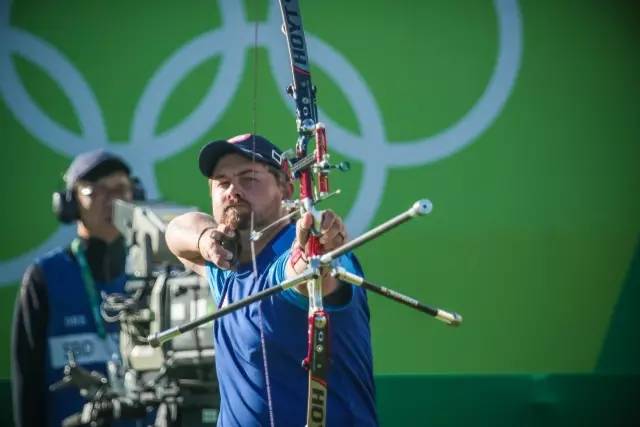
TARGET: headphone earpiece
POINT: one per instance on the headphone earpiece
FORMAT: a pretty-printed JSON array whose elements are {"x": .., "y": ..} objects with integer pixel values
[{"x": 65, "y": 206}]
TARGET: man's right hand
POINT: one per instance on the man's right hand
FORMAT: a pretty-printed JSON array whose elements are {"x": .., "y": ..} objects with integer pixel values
[{"x": 213, "y": 244}]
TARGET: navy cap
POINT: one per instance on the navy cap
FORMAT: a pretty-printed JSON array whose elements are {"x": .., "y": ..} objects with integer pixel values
[
  {"x": 93, "y": 165},
  {"x": 251, "y": 146}
]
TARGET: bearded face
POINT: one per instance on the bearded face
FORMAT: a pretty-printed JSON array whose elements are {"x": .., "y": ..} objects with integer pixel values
[{"x": 239, "y": 187}]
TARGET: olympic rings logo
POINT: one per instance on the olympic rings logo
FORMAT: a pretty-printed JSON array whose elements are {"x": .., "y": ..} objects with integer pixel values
[{"x": 145, "y": 147}]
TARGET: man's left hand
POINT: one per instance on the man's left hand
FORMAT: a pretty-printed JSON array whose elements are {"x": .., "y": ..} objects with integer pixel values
[{"x": 332, "y": 231}]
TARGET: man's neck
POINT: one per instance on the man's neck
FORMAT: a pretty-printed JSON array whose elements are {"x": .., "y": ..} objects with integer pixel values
[
  {"x": 108, "y": 236},
  {"x": 106, "y": 260}
]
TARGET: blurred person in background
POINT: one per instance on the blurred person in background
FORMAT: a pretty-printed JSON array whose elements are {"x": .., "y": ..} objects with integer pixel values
[{"x": 58, "y": 305}]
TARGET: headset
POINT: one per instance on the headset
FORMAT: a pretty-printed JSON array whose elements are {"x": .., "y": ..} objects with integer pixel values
[{"x": 65, "y": 203}]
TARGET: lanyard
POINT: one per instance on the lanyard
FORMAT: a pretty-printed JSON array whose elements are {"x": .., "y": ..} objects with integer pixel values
[{"x": 89, "y": 286}]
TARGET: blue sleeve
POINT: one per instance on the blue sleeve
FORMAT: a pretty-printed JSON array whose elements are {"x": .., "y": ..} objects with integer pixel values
[
  {"x": 277, "y": 270},
  {"x": 277, "y": 274},
  {"x": 215, "y": 277}
]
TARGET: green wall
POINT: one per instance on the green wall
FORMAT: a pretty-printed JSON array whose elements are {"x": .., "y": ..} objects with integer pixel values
[{"x": 532, "y": 166}]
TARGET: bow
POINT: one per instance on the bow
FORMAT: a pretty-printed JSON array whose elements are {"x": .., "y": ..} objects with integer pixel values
[
  {"x": 304, "y": 94},
  {"x": 304, "y": 168}
]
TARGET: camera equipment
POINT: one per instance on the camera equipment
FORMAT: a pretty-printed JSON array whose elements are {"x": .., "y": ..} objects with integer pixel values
[
  {"x": 177, "y": 379},
  {"x": 103, "y": 403}
]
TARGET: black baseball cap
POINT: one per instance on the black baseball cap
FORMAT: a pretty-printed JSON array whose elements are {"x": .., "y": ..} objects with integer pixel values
[
  {"x": 249, "y": 145},
  {"x": 93, "y": 165}
]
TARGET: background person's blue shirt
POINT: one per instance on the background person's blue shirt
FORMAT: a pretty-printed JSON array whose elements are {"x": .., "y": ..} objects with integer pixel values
[{"x": 239, "y": 360}]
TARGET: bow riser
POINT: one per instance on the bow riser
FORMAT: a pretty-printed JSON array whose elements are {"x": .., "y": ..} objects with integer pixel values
[{"x": 322, "y": 161}]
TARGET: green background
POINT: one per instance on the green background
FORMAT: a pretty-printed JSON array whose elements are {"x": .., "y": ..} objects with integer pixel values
[{"x": 534, "y": 237}]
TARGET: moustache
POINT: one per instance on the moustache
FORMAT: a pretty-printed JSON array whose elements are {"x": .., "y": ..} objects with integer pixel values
[
  {"x": 236, "y": 206},
  {"x": 237, "y": 215}
]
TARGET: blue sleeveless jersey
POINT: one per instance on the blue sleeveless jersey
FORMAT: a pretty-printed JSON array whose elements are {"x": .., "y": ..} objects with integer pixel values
[
  {"x": 239, "y": 356},
  {"x": 71, "y": 327}
]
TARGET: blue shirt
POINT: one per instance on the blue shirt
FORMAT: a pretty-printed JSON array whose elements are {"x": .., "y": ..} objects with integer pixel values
[{"x": 282, "y": 318}]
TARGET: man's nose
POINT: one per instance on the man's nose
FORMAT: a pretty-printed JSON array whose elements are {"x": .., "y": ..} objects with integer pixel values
[{"x": 233, "y": 191}]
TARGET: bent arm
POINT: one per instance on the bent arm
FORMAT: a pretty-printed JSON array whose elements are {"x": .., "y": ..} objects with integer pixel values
[{"x": 182, "y": 237}]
